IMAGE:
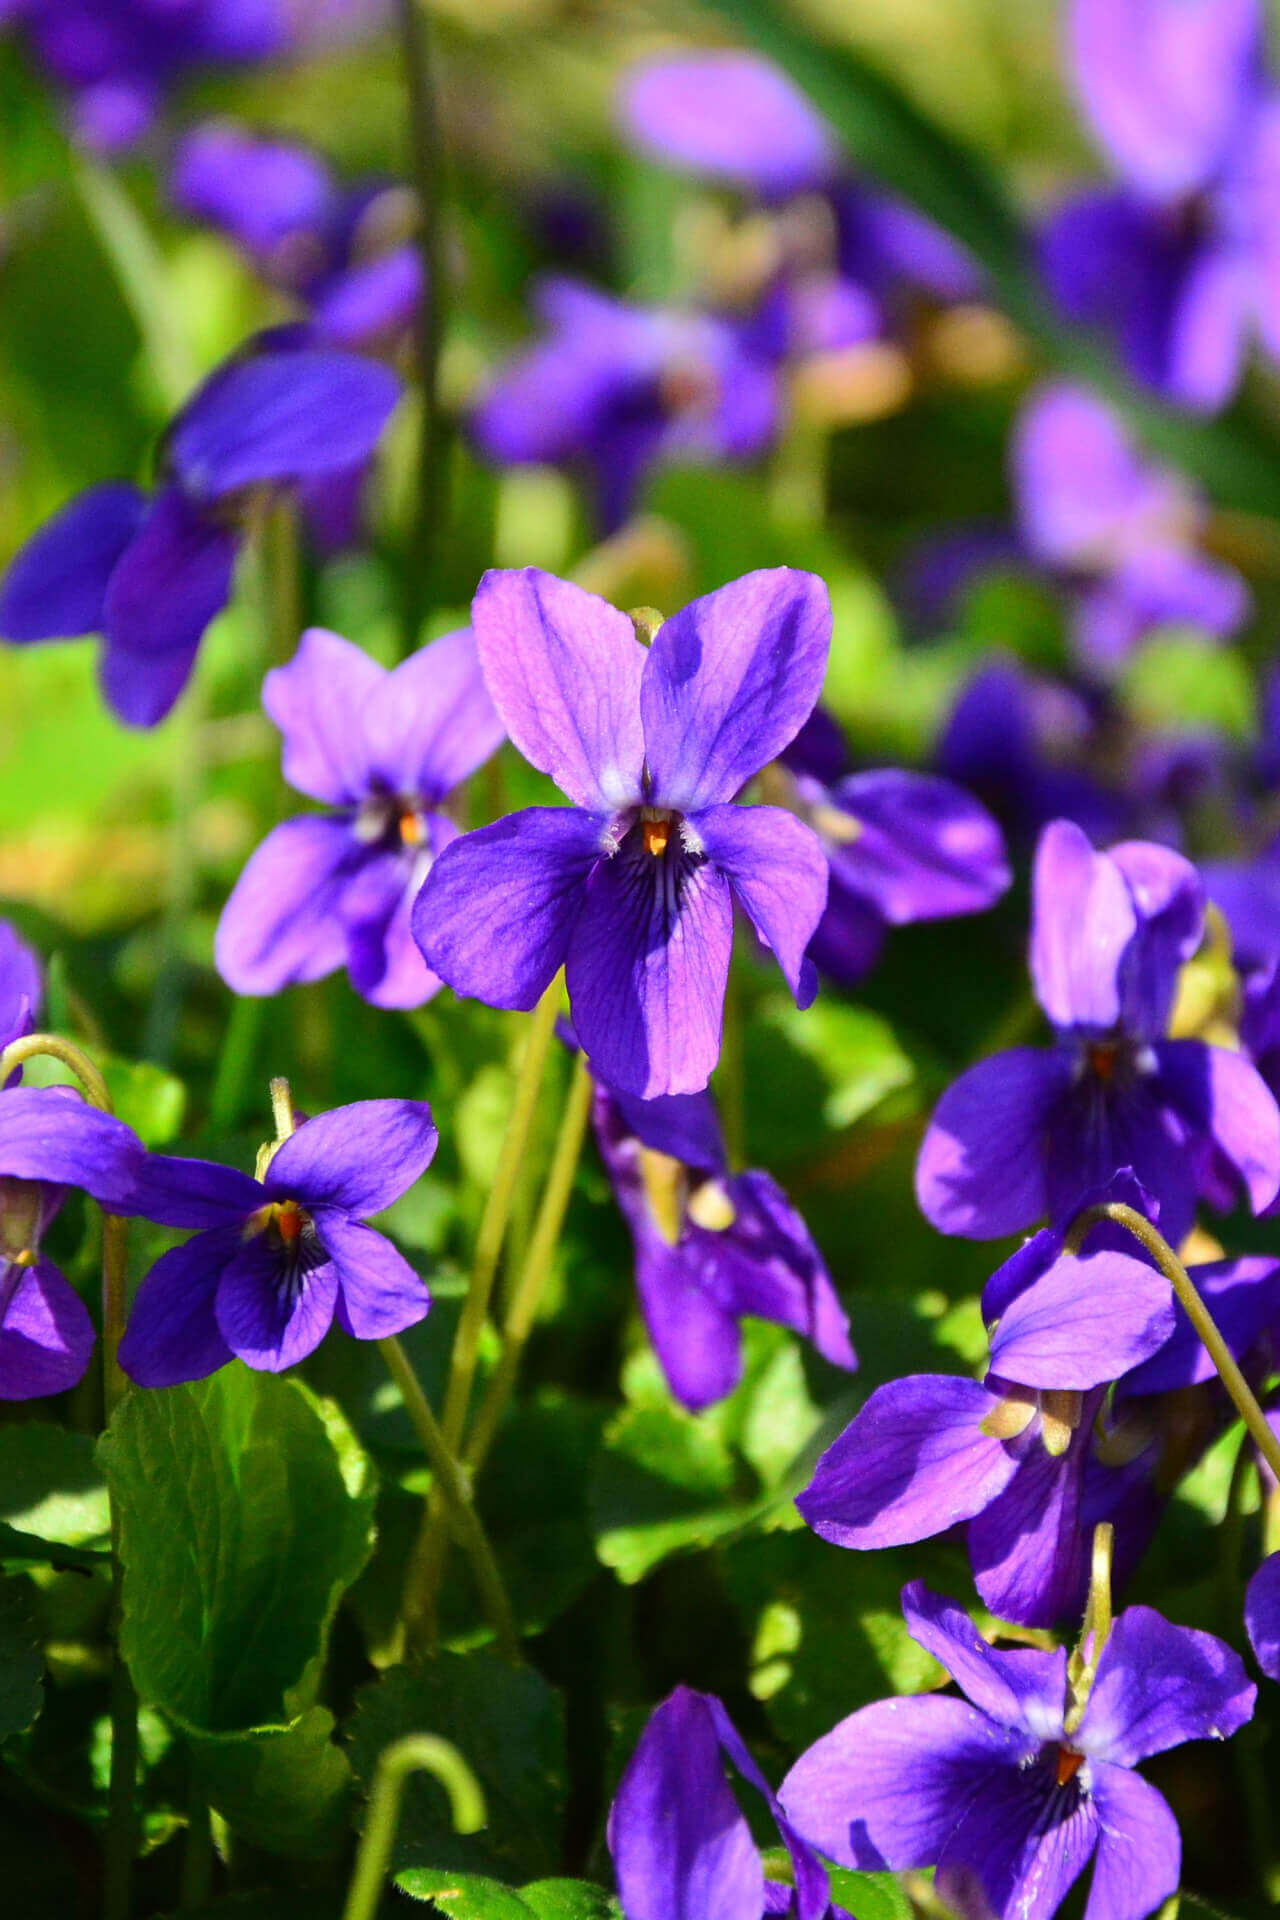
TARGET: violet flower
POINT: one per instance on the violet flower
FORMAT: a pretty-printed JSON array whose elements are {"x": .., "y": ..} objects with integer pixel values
[
  {"x": 1013, "y": 1790},
  {"x": 1262, "y": 1615},
  {"x": 711, "y": 1246},
  {"x": 277, "y": 1258},
  {"x": 150, "y": 574},
  {"x": 21, "y": 986},
  {"x": 384, "y": 750},
  {"x": 1178, "y": 260},
  {"x": 681, "y": 1848},
  {"x": 1028, "y": 1132},
  {"x": 901, "y": 847},
  {"x": 615, "y": 390},
  {"x": 631, "y": 888}
]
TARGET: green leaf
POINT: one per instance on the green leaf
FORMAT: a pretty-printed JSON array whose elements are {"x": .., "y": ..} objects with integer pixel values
[
  {"x": 664, "y": 1483},
  {"x": 508, "y": 1725},
  {"x": 245, "y": 1511},
  {"x": 146, "y": 1098},
  {"x": 21, "y": 1661},
  {"x": 51, "y": 1485},
  {"x": 285, "y": 1791},
  {"x": 470, "y": 1897},
  {"x": 569, "y": 1900},
  {"x": 829, "y": 1067},
  {"x": 872, "y": 1896}
]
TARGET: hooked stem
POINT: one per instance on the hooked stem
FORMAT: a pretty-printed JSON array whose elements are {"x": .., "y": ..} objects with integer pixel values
[{"x": 415, "y": 1753}]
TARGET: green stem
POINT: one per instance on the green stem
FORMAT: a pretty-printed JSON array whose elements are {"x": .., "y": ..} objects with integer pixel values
[
  {"x": 140, "y": 270},
  {"x": 455, "y": 1490},
  {"x": 431, "y": 504},
  {"x": 165, "y": 1011},
  {"x": 416, "y": 1753},
  {"x": 236, "y": 1063},
  {"x": 1193, "y": 1306}
]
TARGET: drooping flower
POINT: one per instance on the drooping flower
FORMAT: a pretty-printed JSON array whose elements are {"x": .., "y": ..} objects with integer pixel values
[
  {"x": 1178, "y": 260},
  {"x": 385, "y": 750},
  {"x": 1012, "y": 1791},
  {"x": 680, "y": 1843},
  {"x": 631, "y": 888},
  {"x": 1028, "y": 1132},
  {"x": 616, "y": 390},
  {"x": 711, "y": 1246},
  {"x": 276, "y": 1259},
  {"x": 149, "y": 574},
  {"x": 901, "y": 847}
]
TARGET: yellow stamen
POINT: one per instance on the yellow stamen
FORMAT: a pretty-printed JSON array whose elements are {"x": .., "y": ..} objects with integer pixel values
[{"x": 657, "y": 834}]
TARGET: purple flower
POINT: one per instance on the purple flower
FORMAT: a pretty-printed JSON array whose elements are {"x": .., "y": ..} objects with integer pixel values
[
  {"x": 681, "y": 1848},
  {"x": 384, "y": 750},
  {"x": 1178, "y": 261},
  {"x": 1262, "y": 1615},
  {"x": 21, "y": 986},
  {"x": 347, "y": 254},
  {"x": 1007, "y": 1792},
  {"x": 901, "y": 847},
  {"x": 616, "y": 390},
  {"x": 276, "y": 1258},
  {"x": 1248, "y": 893},
  {"x": 50, "y": 1140},
  {"x": 631, "y": 889},
  {"x": 150, "y": 574},
  {"x": 711, "y": 1246},
  {"x": 1028, "y": 1132}
]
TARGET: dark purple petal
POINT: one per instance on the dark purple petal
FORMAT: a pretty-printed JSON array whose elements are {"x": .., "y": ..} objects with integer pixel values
[
  {"x": 1021, "y": 1845},
  {"x": 683, "y": 1125},
  {"x": 171, "y": 580},
  {"x": 1168, "y": 896},
  {"x": 696, "y": 1337},
  {"x": 888, "y": 1786},
  {"x": 1101, "y": 1128},
  {"x": 172, "y": 1333},
  {"x": 282, "y": 923},
  {"x": 1084, "y": 1323},
  {"x": 1157, "y": 1685},
  {"x": 191, "y": 1193},
  {"x": 1222, "y": 1095},
  {"x": 767, "y": 1264},
  {"x": 850, "y": 935},
  {"x": 681, "y": 1848},
  {"x": 981, "y": 1170},
  {"x": 57, "y": 583},
  {"x": 564, "y": 670},
  {"x": 728, "y": 683},
  {"x": 46, "y": 1335},
  {"x": 383, "y": 958},
  {"x": 1244, "y": 1298},
  {"x": 270, "y": 1316},
  {"x": 776, "y": 867},
  {"x": 1083, "y": 920},
  {"x": 141, "y": 688},
  {"x": 729, "y": 115},
  {"x": 431, "y": 721},
  {"x": 812, "y": 1894},
  {"x": 1028, "y": 1548},
  {"x": 357, "y": 1158},
  {"x": 924, "y": 849},
  {"x": 497, "y": 909},
  {"x": 50, "y": 1133},
  {"x": 912, "y": 1463},
  {"x": 1025, "y": 1689},
  {"x": 379, "y": 1294},
  {"x": 1262, "y": 1616},
  {"x": 280, "y": 417},
  {"x": 1139, "y": 1854},
  {"x": 319, "y": 701},
  {"x": 646, "y": 969}
]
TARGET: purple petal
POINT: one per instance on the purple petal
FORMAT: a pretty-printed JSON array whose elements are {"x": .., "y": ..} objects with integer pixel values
[
  {"x": 280, "y": 417},
  {"x": 1168, "y": 896},
  {"x": 1139, "y": 1854},
  {"x": 981, "y": 1170},
  {"x": 282, "y": 923},
  {"x": 850, "y": 935},
  {"x": 681, "y": 1848},
  {"x": 57, "y": 583},
  {"x": 1166, "y": 85},
  {"x": 431, "y": 721},
  {"x": 564, "y": 670},
  {"x": 269, "y": 1318},
  {"x": 1157, "y": 1685},
  {"x": 50, "y": 1133},
  {"x": 1021, "y": 1845},
  {"x": 46, "y": 1335},
  {"x": 767, "y": 1264},
  {"x": 646, "y": 969},
  {"x": 319, "y": 701},
  {"x": 1078, "y": 478},
  {"x": 497, "y": 909},
  {"x": 925, "y": 849},
  {"x": 174, "y": 1192},
  {"x": 172, "y": 1333},
  {"x": 379, "y": 1294},
  {"x": 812, "y": 1894},
  {"x": 140, "y": 688},
  {"x": 1024, "y": 1689},
  {"x": 171, "y": 581},
  {"x": 776, "y": 867},
  {"x": 696, "y": 1337},
  {"x": 888, "y": 1786},
  {"x": 1262, "y": 1615},
  {"x": 1083, "y": 920},
  {"x": 358, "y": 1158},
  {"x": 21, "y": 986},
  {"x": 912, "y": 1463},
  {"x": 1027, "y": 1548},
  {"x": 1084, "y": 1323},
  {"x": 1222, "y": 1095},
  {"x": 371, "y": 304},
  {"x": 732, "y": 116},
  {"x": 260, "y": 192},
  {"x": 383, "y": 958},
  {"x": 683, "y": 1125},
  {"x": 1244, "y": 1298},
  {"x": 729, "y": 681}
]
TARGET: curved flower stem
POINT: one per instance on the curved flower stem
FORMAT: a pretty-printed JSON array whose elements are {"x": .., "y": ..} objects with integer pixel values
[
  {"x": 119, "y": 1851},
  {"x": 415, "y": 1753},
  {"x": 455, "y": 1491},
  {"x": 1193, "y": 1306}
]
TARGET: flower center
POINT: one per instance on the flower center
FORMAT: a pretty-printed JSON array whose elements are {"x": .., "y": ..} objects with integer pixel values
[
  {"x": 687, "y": 385},
  {"x": 396, "y": 820},
  {"x": 1069, "y": 1765},
  {"x": 284, "y": 1220},
  {"x": 656, "y": 824},
  {"x": 1102, "y": 1056}
]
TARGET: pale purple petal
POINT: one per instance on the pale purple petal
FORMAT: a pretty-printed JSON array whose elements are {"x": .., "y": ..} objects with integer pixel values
[
  {"x": 1157, "y": 1685},
  {"x": 1221, "y": 1094},
  {"x": 1139, "y": 1853},
  {"x": 681, "y": 1848},
  {"x": 913, "y": 1462},
  {"x": 1262, "y": 1615},
  {"x": 731, "y": 116},
  {"x": 372, "y": 302},
  {"x": 1023, "y": 1844},
  {"x": 497, "y": 909},
  {"x": 384, "y": 960},
  {"x": 1084, "y": 1323},
  {"x": 171, "y": 580},
  {"x": 140, "y": 688},
  {"x": 46, "y": 1335},
  {"x": 172, "y": 1333},
  {"x": 379, "y": 1294},
  {"x": 1210, "y": 326},
  {"x": 269, "y": 1318},
  {"x": 260, "y": 192},
  {"x": 1083, "y": 919},
  {"x": 1025, "y": 1689},
  {"x": 981, "y": 1170},
  {"x": 358, "y": 1158},
  {"x": 56, "y": 584},
  {"x": 1077, "y": 477},
  {"x": 564, "y": 671},
  {"x": 319, "y": 700},
  {"x": 50, "y": 1133},
  {"x": 1027, "y": 1548},
  {"x": 431, "y": 721},
  {"x": 282, "y": 922},
  {"x": 696, "y": 1337},
  {"x": 925, "y": 849},
  {"x": 778, "y": 872}
]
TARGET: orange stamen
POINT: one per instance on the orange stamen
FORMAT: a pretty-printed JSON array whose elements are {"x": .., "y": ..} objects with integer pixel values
[
  {"x": 1069, "y": 1765},
  {"x": 657, "y": 833},
  {"x": 411, "y": 830},
  {"x": 289, "y": 1222}
]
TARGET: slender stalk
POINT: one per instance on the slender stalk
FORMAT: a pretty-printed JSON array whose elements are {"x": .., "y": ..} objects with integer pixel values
[
  {"x": 1193, "y": 1306},
  {"x": 431, "y": 505},
  {"x": 455, "y": 1490},
  {"x": 416, "y": 1753},
  {"x": 139, "y": 268},
  {"x": 236, "y": 1062}
]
